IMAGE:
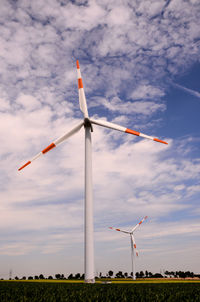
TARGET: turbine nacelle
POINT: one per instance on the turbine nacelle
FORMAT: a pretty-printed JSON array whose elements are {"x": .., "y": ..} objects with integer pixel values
[{"x": 87, "y": 123}]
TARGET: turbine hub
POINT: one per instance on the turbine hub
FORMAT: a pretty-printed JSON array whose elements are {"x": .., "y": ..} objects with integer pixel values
[{"x": 87, "y": 123}]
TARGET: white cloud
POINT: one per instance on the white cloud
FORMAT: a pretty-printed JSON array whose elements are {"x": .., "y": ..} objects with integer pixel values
[
  {"x": 146, "y": 108},
  {"x": 146, "y": 91},
  {"x": 118, "y": 16},
  {"x": 151, "y": 8},
  {"x": 28, "y": 102}
]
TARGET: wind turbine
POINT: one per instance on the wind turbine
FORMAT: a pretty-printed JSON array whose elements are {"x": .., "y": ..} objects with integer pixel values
[
  {"x": 87, "y": 122},
  {"x": 133, "y": 244}
]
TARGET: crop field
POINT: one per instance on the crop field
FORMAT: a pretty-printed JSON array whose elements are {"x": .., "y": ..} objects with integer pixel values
[{"x": 31, "y": 291}]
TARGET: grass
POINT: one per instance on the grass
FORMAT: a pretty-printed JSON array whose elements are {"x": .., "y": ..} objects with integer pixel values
[{"x": 120, "y": 291}]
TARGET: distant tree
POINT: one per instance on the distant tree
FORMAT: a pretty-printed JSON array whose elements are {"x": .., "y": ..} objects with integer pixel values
[
  {"x": 41, "y": 276},
  {"x": 150, "y": 274},
  {"x": 137, "y": 275},
  {"x": 57, "y": 276},
  {"x": 110, "y": 273},
  {"x": 119, "y": 275},
  {"x": 78, "y": 276},
  {"x": 100, "y": 274},
  {"x": 50, "y": 277},
  {"x": 82, "y": 276},
  {"x": 70, "y": 276},
  {"x": 30, "y": 278},
  {"x": 23, "y": 278},
  {"x": 182, "y": 274},
  {"x": 157, "y": 275},
  {"x": 126, "y": 275},
  {"x": 36, "y": 277},
  {"x": 141, "y": 274},
  {"x": 146, "y": 274},
  {"x": 16, "y": 278},
  {"x": 167, "y": 273}
]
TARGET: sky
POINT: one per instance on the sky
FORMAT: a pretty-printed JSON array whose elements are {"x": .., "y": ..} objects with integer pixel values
[{"x": 140, "y": 64}]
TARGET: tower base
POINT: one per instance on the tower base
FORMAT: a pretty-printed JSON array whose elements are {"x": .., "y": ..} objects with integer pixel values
[{"x": 90, "y": 281}]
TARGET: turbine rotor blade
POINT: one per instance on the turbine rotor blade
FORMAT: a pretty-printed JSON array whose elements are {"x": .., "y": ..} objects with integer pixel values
[
  {"x": 82, "y": 99},
  {"x": 137, "y": 225},
  {"x": 119, "y": 230},
  {"x": 54, "y": 144},
  {"x": 68, "y": 134},
  {"x": 108, "y": 125},
  {"x": 126, "y": 130},
  {"x": 134, "y": 244}
]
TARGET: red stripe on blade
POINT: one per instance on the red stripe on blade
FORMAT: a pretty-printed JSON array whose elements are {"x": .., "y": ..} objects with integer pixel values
[
  {"x": 132, "y": 132},
  {"x": 159, "y": 141},
  {"x": 135, "y": 246},
  {"x": 118, "y": 230},
  {"x": 77, "y": 64},
  {"x": 48, "y": 148},
  {"x": 80, "y": 83},
  {"x": 28, "y": 163}
]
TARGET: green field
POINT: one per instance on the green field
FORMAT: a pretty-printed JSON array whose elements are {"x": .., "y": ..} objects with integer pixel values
[{"x": 55, "y": 291}]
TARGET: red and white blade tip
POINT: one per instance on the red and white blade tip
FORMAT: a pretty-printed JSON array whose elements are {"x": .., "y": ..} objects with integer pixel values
[
  {"x": 143, "y": 219},
  {"x": 145, "y": 136},
  {"x": 114, "y": 229},
  {"x": 26, "y": 164},
  {"x": 47, "y": 149}
]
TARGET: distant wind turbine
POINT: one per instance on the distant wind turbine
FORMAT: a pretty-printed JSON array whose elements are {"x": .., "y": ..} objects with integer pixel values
[
  {"x": 133, "y": 244},
  {"x": 88, "y": 125}
]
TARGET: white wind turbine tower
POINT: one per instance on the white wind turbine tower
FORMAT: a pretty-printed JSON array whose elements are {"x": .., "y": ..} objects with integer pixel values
[
  {"x": 87, "y": 122},
  {"x": 133, "y": 244}
]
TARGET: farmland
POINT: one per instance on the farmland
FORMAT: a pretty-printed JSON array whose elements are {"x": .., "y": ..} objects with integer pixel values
[{"x": 53, "y": 291}]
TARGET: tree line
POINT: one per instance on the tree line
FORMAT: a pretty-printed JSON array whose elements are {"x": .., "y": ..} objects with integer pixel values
[{"x": 119, "y": 274}]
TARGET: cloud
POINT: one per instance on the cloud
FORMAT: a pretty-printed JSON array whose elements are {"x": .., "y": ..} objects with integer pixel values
[
  {"x": 151, "y": 9},
  {"x": 147, "y": 92},
  {"x": 138, "y": 107},
  {"x": 134, "y": 43},
  {"x": 28, "y": 102}
]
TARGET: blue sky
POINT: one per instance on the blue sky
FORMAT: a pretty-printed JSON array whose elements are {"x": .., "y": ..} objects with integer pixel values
[{"x": 140, "y": 66}]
